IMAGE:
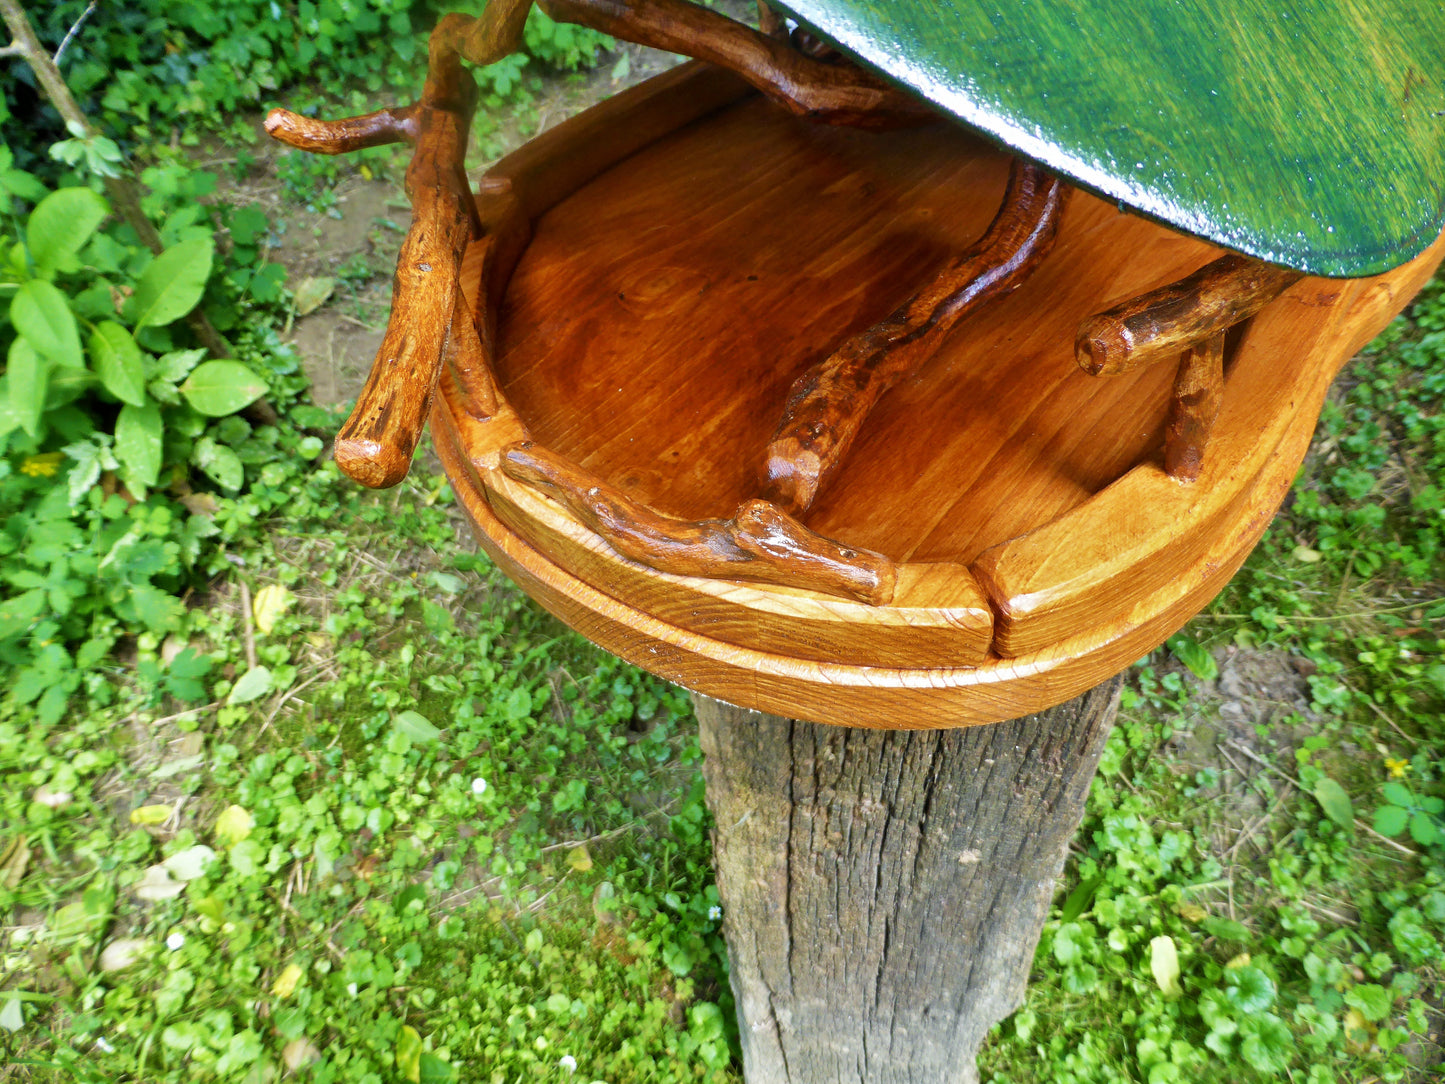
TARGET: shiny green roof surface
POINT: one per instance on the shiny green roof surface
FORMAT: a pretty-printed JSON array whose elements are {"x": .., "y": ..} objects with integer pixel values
[{"x": 1309, "y": 133}]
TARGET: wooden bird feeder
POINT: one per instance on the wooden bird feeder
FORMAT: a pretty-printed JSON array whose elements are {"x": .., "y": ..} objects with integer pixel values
[
  {"x": 865, "y": 422},
  {"x": 772, "y": 378}
]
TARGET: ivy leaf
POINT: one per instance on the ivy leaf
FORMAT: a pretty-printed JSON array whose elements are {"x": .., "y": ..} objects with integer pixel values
[
  {"x": 138, "y": 446},
  {"x": 60, "y": 226},
  {"x": 1250, "y": 990},
  {"x": 172, "y": 284},
  {"x": 252, "y": 685},
  {"x": 119, "y": 363},
  {"x": 1372, "y": 1000},
  {"x": 218, "y": 388},
  {"x": 1268, "y": 1044},
  {"x": 416, "y": 726},
  {"x": 1335, "y": 802},
  {"x": 28, "y": 375},
  {"x": 42, "y": 316}
]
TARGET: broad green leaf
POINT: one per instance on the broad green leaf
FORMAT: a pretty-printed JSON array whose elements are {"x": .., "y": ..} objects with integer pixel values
[
  {"x": 220, "y": 463},
  {"x": 1423, "y": 829},
  {"x": 1372, "y": 1000},
  {"x": 60, "y": 226},
  {"x": 312, "y": 294},
  {"x": 408, "y": 1054},
  {"x": 1251, "y": 990},
  {"x": 190, "y": 863},
  {"x": 247, "y": 857},
  {"x": 119, "y": 363},
  {"x": 1199, "y": 661},
  {"x": 9, "y": 419},
  {"x": 1390, "y": 820},
  {"x": 18, "y": 613},
  {"x": 1164, "y": 963},
  {"x": 436, "y": 1071},
  {"x": 172, "y": 284},
  {"x": 233, "y": 825},
  {"x": 42, "y": 316},
  {"x": 1398, "y": 794},
  {"x": 218, "y": 388},
  {"x": 150, "y": 814},
  {"x": 270, "y": 603},
  {"x": 138, "y": 432},
  {"x": 286, "y": 982},
  {"x": 28, "y": 374},
  {"x": 416, "y": 726},
  {"x": 1226, "y": 929},
  {"x": 175, "y": 366},
  {"x": 252, "y": 685},
  {"x": 1335, "y": 802}
]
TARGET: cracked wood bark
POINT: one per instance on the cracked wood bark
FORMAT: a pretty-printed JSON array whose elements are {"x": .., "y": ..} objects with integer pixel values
[{"x": 883, "y": 890}]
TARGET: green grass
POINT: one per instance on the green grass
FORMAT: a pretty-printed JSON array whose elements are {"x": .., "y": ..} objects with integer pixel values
[{"x": 320, "y": 879}]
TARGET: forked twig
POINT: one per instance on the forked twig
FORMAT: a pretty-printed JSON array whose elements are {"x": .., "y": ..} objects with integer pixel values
[
  {"x": 760, "y": 543},
  {"x": 829, "y": 403}
]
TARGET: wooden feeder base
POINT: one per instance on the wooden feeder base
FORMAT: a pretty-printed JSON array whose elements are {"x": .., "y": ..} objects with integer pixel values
[{"x": 654, "y": 276}]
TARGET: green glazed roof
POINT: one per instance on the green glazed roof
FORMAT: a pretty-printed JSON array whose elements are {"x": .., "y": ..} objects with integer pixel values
[{"x": 1309, "y": 133}]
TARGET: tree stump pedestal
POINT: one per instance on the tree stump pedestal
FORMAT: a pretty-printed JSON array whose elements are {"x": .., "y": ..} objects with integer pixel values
[{"x": 883, "y": 891}]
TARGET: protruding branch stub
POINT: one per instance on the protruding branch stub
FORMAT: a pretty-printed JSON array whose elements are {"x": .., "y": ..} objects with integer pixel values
[{"x": 1184, "y": 322}]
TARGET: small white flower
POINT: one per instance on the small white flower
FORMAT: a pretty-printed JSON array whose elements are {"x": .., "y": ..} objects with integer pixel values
[
  {"x": 175, "y": 941},
  {"x": 568, "y": 1062},
  {"x": 714, "y": 913},
  {"x": 351, "y": 988},
  {"x": 479, "y": 785},
  {"x": 104, "y": 1047}
]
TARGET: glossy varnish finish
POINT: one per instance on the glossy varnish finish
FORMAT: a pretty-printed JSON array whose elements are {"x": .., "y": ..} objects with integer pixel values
[
  {"x": 1309, "y": 133},
  {"x": 651, "y": 330}
]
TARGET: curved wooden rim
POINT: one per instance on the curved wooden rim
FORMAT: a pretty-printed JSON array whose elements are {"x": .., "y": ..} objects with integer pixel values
[{"x": 935, "y": 648}]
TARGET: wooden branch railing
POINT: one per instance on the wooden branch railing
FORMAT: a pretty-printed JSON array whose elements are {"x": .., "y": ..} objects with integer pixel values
[
  {"x": 432, "y": 326},
  {"x": 377, "y": 443},
  {"x": 828, "y": 404},
  {"x": 760, "y": 543},
  {"x": 825, "y": 92},
  {"x": 1184, "y": 322}
]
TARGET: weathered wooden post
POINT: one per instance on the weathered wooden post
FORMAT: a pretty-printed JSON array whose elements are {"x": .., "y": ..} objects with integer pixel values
[{"x": 860, "y": 423}]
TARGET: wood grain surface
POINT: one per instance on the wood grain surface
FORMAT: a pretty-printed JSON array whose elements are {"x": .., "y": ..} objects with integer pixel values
[
  {"x": 651, "y": 330},
  {"x": 1307, "y": 133}
]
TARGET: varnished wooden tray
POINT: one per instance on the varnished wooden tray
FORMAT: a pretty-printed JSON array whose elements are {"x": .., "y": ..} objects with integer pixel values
[{"x": 657, "y": 272}]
